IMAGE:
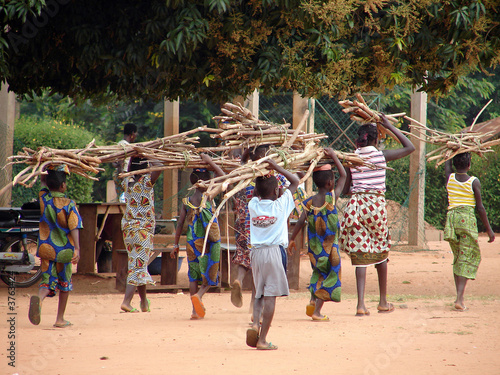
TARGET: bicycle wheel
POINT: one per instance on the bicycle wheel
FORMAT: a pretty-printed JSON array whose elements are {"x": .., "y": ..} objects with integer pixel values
[{"x": 23, "y": 280}]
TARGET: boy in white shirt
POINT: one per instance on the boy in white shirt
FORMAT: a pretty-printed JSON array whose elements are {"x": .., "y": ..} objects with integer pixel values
[{"x": 269, "y": 238}]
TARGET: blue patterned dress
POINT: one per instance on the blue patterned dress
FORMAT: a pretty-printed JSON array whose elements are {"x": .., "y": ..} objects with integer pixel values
[
  {"x": 202, "y": 268},
  {"x": 322, "y": 231}
]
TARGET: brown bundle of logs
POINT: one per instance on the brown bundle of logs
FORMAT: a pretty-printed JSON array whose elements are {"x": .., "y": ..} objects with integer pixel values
[
  {"x": 450, "y": 145},
  {"x": 359, "y": 111},
  {"x": 237, "y": 129},
  {"x": 242, "y": 130}
]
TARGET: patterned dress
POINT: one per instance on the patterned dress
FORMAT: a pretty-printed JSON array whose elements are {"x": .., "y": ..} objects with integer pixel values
[
  {"x": 322, "y": 231},
  {"x": 138, "y": 224},
  {"x": 59, "y": 216},
  {"x": 241, "y": 256},
  {"x": 202, "y": 268},
  {"x": 365, "y": 232},
  {"x": 461, "y": 227}
]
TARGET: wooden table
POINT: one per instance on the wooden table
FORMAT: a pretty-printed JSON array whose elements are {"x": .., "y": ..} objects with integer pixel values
[{"x": 109, "y": 228}]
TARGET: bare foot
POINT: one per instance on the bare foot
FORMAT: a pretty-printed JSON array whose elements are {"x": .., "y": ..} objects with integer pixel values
[{"x": 460, "y": 307}]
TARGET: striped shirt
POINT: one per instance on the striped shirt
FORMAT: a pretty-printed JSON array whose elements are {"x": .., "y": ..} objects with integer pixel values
[
  {"x": 364, "y": 178},
  {"x": 460, "y": 193}
]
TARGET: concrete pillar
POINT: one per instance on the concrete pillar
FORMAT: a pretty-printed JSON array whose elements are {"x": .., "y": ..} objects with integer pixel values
[
  {"x": 170, "y": 176},
  {"x": 416, "y": 224},
  {"x": 7, "y": 119}
]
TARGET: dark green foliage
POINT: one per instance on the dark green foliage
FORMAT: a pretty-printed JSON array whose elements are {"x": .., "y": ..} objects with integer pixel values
[
  {"x": 33, "y": 133},
  {"x": 217, "y": 49}
]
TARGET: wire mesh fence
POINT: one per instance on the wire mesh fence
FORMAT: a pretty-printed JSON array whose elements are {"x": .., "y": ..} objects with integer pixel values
[{"x": 276, "y": 108}]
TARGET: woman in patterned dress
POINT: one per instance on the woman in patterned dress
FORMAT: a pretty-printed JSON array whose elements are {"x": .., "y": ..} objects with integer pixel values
[
  {"x": 203, "y": 265},
  {"x": 138, "y": 225},
  {"x": 320, "y": 214},
  {"x": 365, "y": 234}
]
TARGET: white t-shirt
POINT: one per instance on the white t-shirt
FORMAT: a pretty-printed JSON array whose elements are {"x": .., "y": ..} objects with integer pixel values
[{"x": 269, "y": 220}]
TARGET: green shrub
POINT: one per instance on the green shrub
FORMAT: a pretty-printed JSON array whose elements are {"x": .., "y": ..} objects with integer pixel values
[{"x": 32, "y": 133}]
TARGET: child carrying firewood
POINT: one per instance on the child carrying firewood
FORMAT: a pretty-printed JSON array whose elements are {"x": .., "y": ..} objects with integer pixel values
[
  {"x": 204, "y": 268},
  {"x": 242, "y": 227},
  {"x": 322, "y": 233},
  {"x": 464, "y": 193},
  {"x": 269, "y": 237},
  {"x": 138, "y": 224}
]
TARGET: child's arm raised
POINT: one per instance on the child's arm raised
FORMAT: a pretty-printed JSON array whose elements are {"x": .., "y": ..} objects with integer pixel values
[
  {"x": 339, "y": 186},
  {"x": 399, "y": 153},
  {"x": 208, "y": 160},
  {"x": 476, "y": 187},
  {"x": 292, "y": 178},
  {"x": 448, "y": 169},
  {"x": 155, "y": 174},
  {"x": 178, "y": 230}
]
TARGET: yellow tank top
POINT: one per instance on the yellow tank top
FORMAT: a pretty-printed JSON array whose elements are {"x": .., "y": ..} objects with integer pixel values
[{"x": 460, "y": 193}]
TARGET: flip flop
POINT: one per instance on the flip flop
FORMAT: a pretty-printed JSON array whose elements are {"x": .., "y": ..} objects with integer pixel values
[
  {"x": 35, "y": 310},
  {"x": 134, "y": 310},
  {"x": 325, "y": 318},
  {"x": 310, "y": 309},
  {"x": 236, "y": 296},
  {"x": 460, "y": 308},
  {"x": 195, "y": 317},
  {"x": 386, "y": 310},
  {"x": 270, "y": 346},
  {"x": 64, "y": 325},
  {"x": 198, "y": 305},
  {"x": 362, "y": 313},
  {"x": 252, "y": 337},
  {"x": 149, "y": 306}
]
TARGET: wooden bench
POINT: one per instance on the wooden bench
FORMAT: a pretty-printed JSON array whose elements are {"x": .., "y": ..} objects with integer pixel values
[{"x": 169, "y": 266}]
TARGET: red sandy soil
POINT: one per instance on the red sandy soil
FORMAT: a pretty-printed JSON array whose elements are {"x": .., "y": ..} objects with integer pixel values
[{"x": 424, "y": 335}]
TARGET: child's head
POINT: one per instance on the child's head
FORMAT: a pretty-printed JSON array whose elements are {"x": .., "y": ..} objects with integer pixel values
[
  {"x": 259, "y": 152},
  {"x": 199, "y": 174},
  {"x": 367, "y": 135},
  {"x": 266, "y": 187},
  {"x": 56, "y": 180},
  {"x": 323, "y": 178},
  {"x": 137, "y": 163},
  {"x": 56, "y": 177},
  {"x": 462, "y": 161}
]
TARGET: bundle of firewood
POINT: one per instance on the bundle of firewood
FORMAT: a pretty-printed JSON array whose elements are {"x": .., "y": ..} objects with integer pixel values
[
  {"x": 449, "y": 145},
  {"x": 359, "y": 111},
  {"x": 242, "y": 130},
  {"x": 237, "y": 129}
]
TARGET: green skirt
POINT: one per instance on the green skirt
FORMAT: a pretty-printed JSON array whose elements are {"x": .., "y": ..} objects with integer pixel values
[{"x": 461, "y": 232}]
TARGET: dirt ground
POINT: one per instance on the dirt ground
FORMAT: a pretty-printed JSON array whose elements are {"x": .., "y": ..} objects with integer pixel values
[{"x": 423, "y": 336}]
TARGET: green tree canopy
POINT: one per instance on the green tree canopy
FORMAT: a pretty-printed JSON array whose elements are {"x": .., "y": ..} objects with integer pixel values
[{"x": 216, "y": 49}]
